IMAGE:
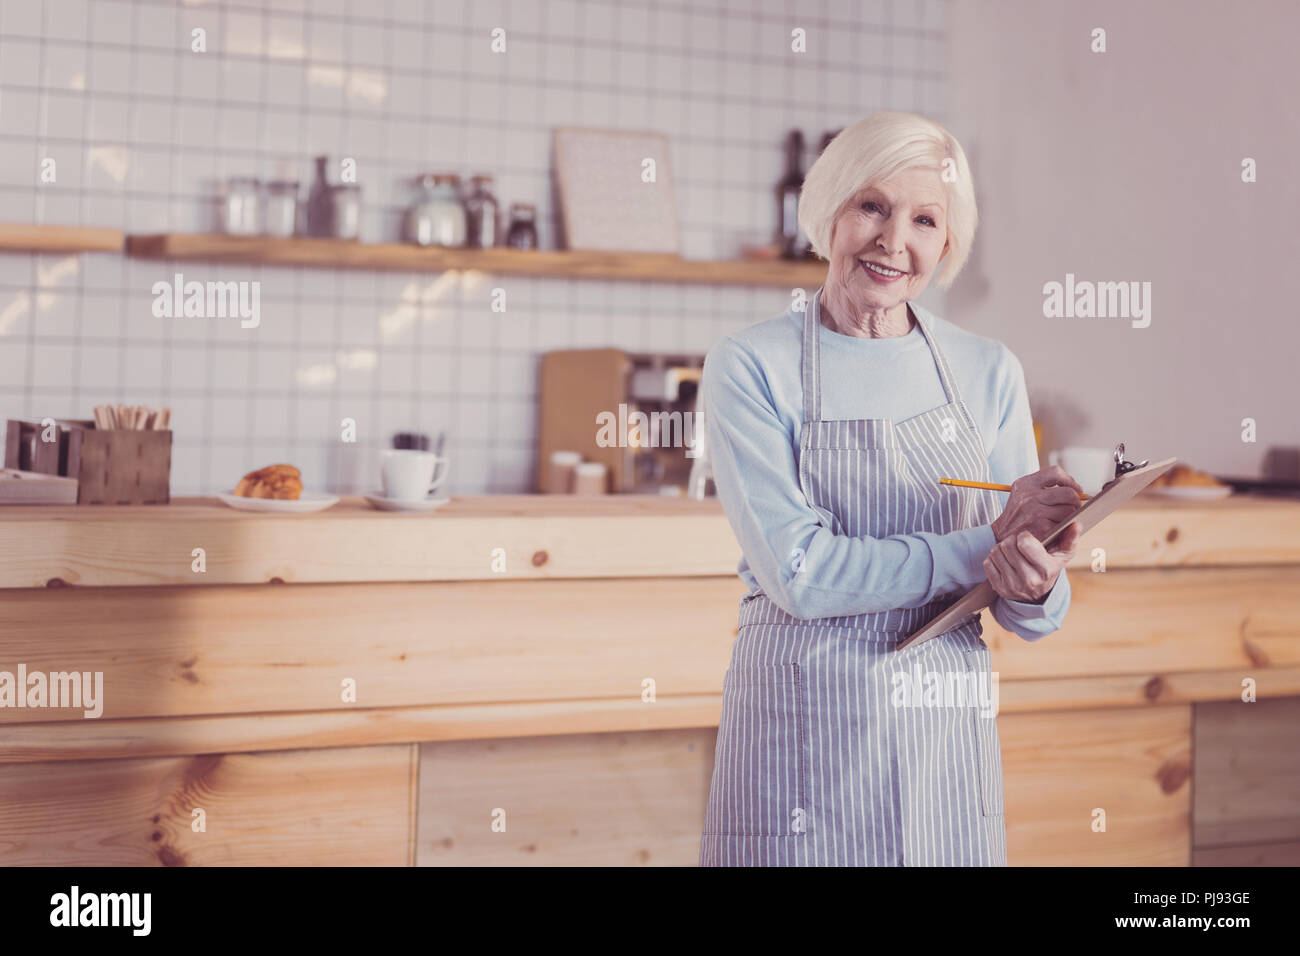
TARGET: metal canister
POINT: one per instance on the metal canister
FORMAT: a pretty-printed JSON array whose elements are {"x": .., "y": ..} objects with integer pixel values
[
  {"x": 281, "y": 208},
  {"x": 346, "y": 212}
]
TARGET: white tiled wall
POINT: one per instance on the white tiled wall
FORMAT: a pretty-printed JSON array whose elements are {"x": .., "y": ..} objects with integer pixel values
[{"x": 142, "y": 131}]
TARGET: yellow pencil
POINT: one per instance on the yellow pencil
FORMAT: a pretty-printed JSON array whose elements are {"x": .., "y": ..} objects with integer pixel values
[{"x": 982, "y": 484}]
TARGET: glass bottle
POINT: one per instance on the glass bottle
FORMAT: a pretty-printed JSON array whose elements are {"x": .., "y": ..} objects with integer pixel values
[
  {"x": 788, "y": 234},
  {"x": 523, "y": 228},
  {"x": 320, "y": 203},
  {"x": 481, "y": 213}
]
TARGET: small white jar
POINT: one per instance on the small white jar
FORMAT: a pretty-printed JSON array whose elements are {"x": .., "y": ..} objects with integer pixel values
[
  {"x": 589, "y": 478},
  {"x": 559, "y": 476}
]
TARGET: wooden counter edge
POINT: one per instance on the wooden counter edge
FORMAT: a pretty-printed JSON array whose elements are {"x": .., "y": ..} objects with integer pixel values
[
  {"x": 166, "y": 736},
  {"x": 521, "y": 537}
]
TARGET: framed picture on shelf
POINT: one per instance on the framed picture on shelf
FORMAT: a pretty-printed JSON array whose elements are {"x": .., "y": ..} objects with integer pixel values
[{"x": 616, "y": 190}]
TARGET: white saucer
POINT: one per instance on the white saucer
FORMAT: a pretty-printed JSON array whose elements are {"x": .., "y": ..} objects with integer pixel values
[
  {"x": 1193, "y": 492},
  {"x": 305, "y": 502},
  {"x": 431, "y": 503}
]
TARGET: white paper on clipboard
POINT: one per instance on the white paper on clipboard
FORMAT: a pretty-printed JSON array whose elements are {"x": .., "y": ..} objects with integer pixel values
[{"x": 1090, "y": 514}]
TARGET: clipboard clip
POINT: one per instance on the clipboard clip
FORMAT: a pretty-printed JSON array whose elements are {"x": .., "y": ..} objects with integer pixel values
[{"x": 1123, "y": 467}]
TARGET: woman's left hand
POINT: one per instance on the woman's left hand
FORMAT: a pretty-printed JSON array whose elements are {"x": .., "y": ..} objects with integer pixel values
[{"x": 1021, "y": 569}]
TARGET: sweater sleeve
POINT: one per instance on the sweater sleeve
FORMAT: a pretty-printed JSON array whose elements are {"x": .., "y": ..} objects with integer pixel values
[
  {"x": 804, "y": 567},
  {"x": 1015, "y": 454}
]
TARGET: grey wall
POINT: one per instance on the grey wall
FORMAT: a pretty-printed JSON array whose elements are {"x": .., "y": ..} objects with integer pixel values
[{"x": 1127, "y": 166}]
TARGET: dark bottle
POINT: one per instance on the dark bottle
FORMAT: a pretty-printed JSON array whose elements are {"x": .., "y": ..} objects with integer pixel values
[
  {"x": 826, "y": 141},
  {"x": 788, "y": 234},
  {"x": 320, "y": 203},
  {"x": 523, "y": 228}
]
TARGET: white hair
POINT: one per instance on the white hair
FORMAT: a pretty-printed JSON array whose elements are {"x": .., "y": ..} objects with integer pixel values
[{"x": 872, "y": 150}]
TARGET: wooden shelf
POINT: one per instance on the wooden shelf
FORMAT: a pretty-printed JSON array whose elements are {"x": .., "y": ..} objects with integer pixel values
[
  {"x": 26, "y": 237},
  {"x": 333, "y": 253}
]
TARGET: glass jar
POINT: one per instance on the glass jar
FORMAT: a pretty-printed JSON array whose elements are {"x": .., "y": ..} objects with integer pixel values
[
  {"x": 241, "y": 208},
  {"x": 345, "y": 211},
  {"x": 281, "y": 208},
  {"x": 523, "y": 227},
  {"x": 437, "y": 217},
  {"x": 481, "y": 214}
]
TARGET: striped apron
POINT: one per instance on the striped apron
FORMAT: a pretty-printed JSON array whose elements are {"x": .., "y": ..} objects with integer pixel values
[{"x": 834, "y": 748}]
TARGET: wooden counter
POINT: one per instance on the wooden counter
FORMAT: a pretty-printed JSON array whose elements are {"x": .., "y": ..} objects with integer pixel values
[{"x": 501, "y": 648}]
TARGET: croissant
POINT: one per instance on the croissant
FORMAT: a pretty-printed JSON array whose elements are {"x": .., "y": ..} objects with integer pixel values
[
  {"x": 274, "y": 481},
  {"x": 1183, "y": 475}
]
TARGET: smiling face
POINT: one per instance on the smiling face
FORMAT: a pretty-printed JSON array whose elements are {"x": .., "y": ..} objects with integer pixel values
[{"x": 898, "y": 224}]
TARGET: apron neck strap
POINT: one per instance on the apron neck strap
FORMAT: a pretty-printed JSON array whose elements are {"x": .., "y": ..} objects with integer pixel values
[
  {"x": 812, "y": 358},
  {"x": 940, "y": 360}
]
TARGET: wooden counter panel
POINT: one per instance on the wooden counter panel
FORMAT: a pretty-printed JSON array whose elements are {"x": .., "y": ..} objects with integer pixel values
[
  {"x": 542, "y": 536},
  {"x": 1153, "y": 531},
  {"x": 238, "y": 650},
  {"x": 1140, "y": 690},
  {"x": 1259, "y": 854},
  {"x": 244, "y": 650},
  {"x": 1160, "y": 621},
  {"x": 620, "y": 799},
  {"x": 1247, "y": 772},
  {"x": 339, "y": 807},
  {"x": 168, "y": 736},
  {"x": 1133, "y": 764},
  {"x": 579, "y": 800}
]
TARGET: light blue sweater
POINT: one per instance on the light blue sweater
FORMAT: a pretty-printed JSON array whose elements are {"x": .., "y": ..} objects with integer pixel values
[{"x": 753, "y": 411}]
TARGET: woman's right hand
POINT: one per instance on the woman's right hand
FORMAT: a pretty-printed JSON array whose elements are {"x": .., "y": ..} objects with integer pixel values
[{"x": 1037, "y": 503}]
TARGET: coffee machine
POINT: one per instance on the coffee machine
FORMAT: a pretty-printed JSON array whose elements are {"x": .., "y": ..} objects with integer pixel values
[{"x": 634, "y": 412}]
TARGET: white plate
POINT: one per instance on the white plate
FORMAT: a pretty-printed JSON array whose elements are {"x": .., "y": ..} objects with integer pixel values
[
  {"x": 307, "y": 501},
  {"x": 404, "y": 504},
  {"x": 1202, "y": 493}
]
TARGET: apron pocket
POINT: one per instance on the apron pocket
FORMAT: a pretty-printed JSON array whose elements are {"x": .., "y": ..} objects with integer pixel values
[
  {"x": 988, "y": 750},
  {"x": 761, "y": 760}
]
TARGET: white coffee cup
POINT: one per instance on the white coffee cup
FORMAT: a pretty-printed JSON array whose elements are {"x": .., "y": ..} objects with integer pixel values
[
  {"x": 1090, "y": 467},
  {"x": 410, "y": 474}
]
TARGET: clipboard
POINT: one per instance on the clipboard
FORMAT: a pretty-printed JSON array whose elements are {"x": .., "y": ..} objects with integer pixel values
[{"x": 1127, "y": 483}]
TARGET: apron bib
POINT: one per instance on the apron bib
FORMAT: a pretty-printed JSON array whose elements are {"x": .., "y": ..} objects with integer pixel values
[{"x": 833, "y": 748}]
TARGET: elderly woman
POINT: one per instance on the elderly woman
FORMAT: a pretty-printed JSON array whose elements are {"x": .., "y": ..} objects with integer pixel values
[{"x": 829, "y": 429}]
